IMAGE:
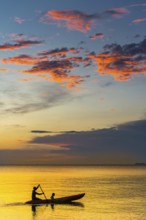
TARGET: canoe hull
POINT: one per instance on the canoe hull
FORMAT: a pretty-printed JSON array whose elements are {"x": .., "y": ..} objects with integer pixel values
[{"x": 62, "y": 200}]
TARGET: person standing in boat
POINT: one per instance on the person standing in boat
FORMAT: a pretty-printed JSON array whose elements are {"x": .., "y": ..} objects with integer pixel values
[{"x": 34, "y": 193}]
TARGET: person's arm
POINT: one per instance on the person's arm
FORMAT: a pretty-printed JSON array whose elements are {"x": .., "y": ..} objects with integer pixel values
[
  {"x": 39, "y": 193},
  {"x": 38, "y": 186}
]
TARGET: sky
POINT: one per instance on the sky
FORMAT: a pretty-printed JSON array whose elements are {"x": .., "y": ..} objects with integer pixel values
[{"x": 72, "y": 82}]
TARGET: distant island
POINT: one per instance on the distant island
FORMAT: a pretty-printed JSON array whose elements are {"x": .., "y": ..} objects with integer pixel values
[{"x": 140, "y": 164}]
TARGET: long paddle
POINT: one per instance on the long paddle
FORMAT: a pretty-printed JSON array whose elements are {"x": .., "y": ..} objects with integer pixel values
[{"x": 43, "y": 192}]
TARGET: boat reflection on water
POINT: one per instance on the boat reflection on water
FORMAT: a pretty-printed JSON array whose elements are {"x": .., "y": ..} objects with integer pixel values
[
  {"x": 80, "y": 204},
  {"x": 34, "y": 207}
]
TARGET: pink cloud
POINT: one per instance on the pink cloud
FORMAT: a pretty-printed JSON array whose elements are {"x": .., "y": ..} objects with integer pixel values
[
  {"x": 19, "y": 20},
  {"x": 118, "y": 12},
  {"x": 97, "y": 36},
  {"x": 139, "y": 20},
  {"x": 137, "y": 5}
]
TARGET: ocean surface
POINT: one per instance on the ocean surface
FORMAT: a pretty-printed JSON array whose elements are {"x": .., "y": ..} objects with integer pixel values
[{"x": 112, "y": 193}]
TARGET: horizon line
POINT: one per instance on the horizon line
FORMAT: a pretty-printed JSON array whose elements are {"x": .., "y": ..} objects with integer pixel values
[{"x": 131, "y": 164}]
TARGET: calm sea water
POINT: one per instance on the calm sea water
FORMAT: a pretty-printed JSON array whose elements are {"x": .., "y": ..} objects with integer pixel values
[{"x": 112, "y": 193}]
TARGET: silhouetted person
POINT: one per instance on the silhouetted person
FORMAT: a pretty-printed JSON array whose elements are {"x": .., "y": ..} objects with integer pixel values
[
  {"x": 52, "y": 196},
  {"x": 34, "y": 193}
]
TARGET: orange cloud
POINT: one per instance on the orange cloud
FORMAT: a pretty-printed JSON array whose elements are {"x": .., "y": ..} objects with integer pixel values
[
  {"x": 60, "y": 52},
  {"x": 2, "y": 70},
  {"x": 74, "y": 19},
  {"x": 121, "y": 61},
  {"x": 55, "y": 65},
  {"x": 59, "y": 71},
  {"x": 107, "y": 65},
  {"x": 19, "y": 44},
  {"x": 23, "y": 60},
  {"x": 77, "y": 20}
]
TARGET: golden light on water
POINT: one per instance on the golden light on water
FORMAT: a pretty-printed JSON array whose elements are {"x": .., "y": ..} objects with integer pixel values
[{"x": 111, "y": 192}]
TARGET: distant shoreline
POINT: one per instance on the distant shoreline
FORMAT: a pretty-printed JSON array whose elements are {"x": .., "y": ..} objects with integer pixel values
[{"x": 69, "y": 165}]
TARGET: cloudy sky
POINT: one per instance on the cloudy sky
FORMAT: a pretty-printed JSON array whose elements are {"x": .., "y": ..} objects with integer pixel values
[{"x": 72, "y": 81}]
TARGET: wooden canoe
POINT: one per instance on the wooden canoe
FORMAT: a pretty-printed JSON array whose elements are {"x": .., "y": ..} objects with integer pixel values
[{"x": 62, "y": 200}]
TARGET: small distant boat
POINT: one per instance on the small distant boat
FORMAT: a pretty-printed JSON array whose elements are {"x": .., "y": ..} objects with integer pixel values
[{"x": 62, "y": 200}]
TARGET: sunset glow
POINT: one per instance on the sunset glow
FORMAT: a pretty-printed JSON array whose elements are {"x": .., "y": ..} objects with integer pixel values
[{"x": 72, "y": 82}]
